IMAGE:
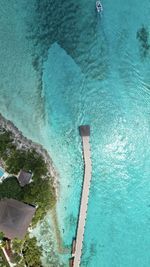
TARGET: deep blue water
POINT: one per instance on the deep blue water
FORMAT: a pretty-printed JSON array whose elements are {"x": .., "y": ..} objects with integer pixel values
[{"x": 62, "y": 66}]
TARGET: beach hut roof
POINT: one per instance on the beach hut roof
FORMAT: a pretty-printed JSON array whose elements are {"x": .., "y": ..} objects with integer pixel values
[
  {"x": 15, "y": 218},
  {"x": 84, "y": 130},
  {"x": 24, "y": 177}
]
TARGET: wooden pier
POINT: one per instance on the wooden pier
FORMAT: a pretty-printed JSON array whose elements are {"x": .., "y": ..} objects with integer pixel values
[{"x": 78, "y": 243}]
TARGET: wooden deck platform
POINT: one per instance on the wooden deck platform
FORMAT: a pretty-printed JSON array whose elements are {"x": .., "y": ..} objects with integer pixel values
[{"x": 85, "y": 134}]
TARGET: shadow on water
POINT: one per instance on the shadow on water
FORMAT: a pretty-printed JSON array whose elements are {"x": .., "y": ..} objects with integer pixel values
[
  {"x": 78, "y": 34},
  {"x": 92, "y": 252}
]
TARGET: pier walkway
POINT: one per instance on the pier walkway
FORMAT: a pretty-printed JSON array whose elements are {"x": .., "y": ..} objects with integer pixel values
[{"x": 78, "y": 242}]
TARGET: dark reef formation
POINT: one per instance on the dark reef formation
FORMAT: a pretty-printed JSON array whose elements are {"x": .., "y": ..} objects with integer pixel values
[
  {"x": 143, "y": 36},
  {"x": 60, "y": 21}
]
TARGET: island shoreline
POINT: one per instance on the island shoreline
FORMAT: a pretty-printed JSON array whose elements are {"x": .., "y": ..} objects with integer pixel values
[{"x": 25, "y": 143}]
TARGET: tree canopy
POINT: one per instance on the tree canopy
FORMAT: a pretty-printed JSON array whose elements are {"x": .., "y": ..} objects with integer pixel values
[
  {"x": 40, "y": 192},
  {"x": 10, "y": 188}
]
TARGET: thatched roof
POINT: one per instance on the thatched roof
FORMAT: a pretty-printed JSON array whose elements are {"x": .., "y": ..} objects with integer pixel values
[
  {"x": 15, "y": 218},
  {"x": 84, "y": 130},
  {"x": 24, "y": 177}
]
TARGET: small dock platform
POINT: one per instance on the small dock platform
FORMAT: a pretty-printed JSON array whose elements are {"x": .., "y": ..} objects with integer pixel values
[{"x": 77, "y": 247}]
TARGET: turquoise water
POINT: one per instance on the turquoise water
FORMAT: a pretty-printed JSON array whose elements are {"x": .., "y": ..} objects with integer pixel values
[
  {"x": 1, "y": 173},
  {"x": 64, "y": 66}
]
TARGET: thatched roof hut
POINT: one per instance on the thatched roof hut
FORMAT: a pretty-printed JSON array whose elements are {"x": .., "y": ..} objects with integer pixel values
[{"x": 15, "y": 218}]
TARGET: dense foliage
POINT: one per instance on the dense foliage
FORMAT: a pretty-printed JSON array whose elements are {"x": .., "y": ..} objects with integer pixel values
[
  {"x": 5, "y": 143},
  {"x": 1, "y": 236},
  {"x": 3, "y": 262},
  {"x": 40, "y": 192},
  {"x": 30, "y": 251},
  {"x": 10, "y": 188}
]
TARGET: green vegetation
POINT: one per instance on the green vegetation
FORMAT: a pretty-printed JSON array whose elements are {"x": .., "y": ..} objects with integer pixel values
[
  {"x": 5, "y": 143},
  {"x": 3, "y": 262},
  {"x": 10, "y": 188},
  {"x": 1, "y": 236},
  {"x": 40, "y": 192},
  {"x": 28, "y": 160},
  {"x": 2, "y": 240},
  {"x": 30, "y": 251}
]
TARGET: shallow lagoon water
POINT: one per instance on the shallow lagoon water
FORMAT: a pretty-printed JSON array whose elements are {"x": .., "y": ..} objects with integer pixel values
[{"x": 96, "y": 71}]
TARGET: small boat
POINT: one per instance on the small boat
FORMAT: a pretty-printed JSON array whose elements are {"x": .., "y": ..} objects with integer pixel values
[{"x": 99, "y": 6}]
